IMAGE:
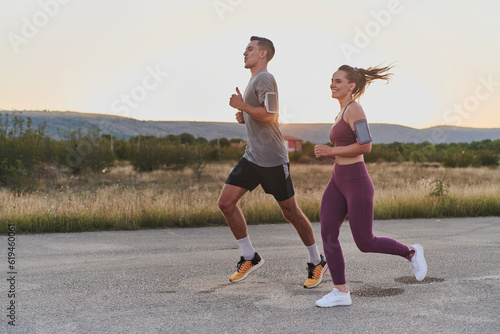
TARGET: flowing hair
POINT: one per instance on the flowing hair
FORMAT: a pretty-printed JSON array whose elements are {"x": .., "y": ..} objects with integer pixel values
[{"x": 364, "y": 77}]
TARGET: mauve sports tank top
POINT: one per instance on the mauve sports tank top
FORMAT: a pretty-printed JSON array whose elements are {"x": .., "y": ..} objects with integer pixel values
[{"x": 341, "y": 133}]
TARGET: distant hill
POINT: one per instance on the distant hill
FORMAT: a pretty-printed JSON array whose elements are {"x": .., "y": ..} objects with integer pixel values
[
  {"x": 61, "y": 123},
  {"x": 383, "y": 133}
]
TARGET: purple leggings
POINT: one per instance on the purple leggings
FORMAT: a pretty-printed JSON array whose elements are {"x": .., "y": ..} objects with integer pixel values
[{"x": 350, "y": 192}]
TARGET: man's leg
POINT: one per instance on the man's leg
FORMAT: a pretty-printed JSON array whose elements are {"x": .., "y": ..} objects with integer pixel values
[
  {"x": 228, "y": 200},
  {"x": 296, "y": 217},
  {"x": 250, "y": 260},
  {"x": 317, "y": 265}
]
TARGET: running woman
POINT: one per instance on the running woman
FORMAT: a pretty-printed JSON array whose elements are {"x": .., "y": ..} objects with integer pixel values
[
  {"x": 350, "y": 190},
  {"x": 264, "y": 163}
]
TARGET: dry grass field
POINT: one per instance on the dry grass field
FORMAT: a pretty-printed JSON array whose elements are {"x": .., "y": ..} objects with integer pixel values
[{"x": 125, "y": 199}]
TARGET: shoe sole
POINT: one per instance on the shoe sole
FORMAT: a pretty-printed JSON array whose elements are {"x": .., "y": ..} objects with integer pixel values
[
  {"x": 341, "y": 304},
  {"x": 325, "y": 268},
  {"x": 419, "y": 252},
  {"x": 333, "y": 305},
  {"x": 251, "y": 270}
]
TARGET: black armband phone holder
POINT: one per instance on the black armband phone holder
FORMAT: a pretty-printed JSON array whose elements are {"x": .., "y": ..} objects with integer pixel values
[{"x": 362, "y": 132}]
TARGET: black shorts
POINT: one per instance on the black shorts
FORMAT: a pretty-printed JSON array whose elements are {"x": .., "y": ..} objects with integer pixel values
[{"x": 274, "y": 180}]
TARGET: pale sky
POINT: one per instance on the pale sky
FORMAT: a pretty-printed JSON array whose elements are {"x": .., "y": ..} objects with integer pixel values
[{"x": 181, "y": 60}]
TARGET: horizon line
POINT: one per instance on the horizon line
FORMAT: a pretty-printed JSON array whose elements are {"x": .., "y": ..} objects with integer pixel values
[{"x": 228, "y": 122}]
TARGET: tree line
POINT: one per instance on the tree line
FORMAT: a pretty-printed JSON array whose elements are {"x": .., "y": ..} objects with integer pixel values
[
  {"x": 25, "y": 151},
  {"x": 452, "y": 155}
]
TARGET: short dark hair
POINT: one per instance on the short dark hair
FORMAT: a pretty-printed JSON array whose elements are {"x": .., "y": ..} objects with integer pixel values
[{"x": 265, "y": 44}]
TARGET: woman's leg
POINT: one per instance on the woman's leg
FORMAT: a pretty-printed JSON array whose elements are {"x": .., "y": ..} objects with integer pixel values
[
  {"x": 332, "y": 213},
  {"x": 359, "y": 195}
]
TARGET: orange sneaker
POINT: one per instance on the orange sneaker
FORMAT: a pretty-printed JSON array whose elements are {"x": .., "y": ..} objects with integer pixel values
[
  {"x": 315, "y": 273},
  {"x": 246, "y": 267}
]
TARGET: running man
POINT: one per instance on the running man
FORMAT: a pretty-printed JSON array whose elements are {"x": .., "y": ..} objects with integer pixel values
[{"x": 265, "y": 162}]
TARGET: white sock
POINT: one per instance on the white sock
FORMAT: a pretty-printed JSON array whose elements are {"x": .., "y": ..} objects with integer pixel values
[
  {"x": 246, "y": 248},
  {"x": 314, "y": 256}
]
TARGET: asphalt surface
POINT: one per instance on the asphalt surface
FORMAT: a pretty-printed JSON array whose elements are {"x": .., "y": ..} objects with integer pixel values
[{"x": 176, "y": 281}]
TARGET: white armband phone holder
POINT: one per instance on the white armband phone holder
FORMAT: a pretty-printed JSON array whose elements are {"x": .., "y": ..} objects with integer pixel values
[
  {"x": 362, "y": 132},
  {"x": 271, "y": 102}
]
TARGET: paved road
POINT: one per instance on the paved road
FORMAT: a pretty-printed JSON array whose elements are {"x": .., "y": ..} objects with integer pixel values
[{"x": 176, "y": 281}]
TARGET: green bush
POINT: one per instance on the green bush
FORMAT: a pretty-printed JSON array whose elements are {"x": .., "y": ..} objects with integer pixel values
[
  {"x": 89, "y": 152},
  {"x": 22, "y": 149}
]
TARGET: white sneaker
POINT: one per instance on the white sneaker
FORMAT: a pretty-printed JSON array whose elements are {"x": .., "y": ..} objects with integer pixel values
[
  {"x": 335, "y": 298},
  {"x": 418, "y": 263}
]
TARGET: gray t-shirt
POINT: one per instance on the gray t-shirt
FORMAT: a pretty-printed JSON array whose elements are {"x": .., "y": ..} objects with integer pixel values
[{"x": 266, "y": 146}]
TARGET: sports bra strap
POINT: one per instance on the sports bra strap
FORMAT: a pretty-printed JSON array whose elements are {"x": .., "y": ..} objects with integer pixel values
[{"x": 346, "y": 108}]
